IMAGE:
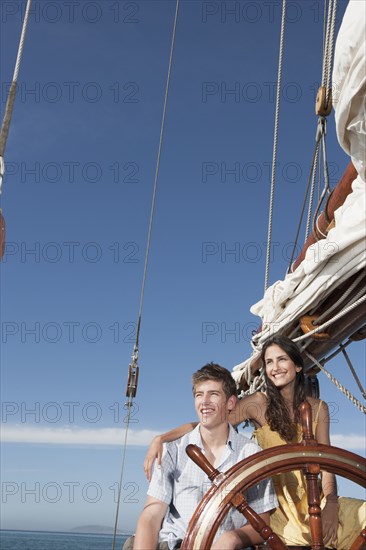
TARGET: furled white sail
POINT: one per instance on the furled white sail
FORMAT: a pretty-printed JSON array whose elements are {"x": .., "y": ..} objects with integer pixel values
[{"x": 349, "y": 84}]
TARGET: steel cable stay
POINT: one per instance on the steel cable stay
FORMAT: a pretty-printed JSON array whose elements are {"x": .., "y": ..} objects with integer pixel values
[
  {"x": 5, "y": 126},
  {"x": 133, "y": 370},
  {"x": 11, "y": 95}
]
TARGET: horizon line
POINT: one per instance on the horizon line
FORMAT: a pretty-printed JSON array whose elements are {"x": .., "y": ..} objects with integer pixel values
[{"x": 114, "y": 436}]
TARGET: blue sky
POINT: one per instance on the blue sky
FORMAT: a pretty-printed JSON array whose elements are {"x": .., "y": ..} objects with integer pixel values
[{"x": 80, "y": 166}]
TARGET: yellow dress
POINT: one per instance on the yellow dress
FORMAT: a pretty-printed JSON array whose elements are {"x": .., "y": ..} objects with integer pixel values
[{"x": 291, "y": 519}]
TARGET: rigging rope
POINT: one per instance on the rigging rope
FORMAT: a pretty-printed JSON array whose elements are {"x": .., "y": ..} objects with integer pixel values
[
  {"x": 322, "y": 111},
  {"x": 358, "y": 300},
  {"x": 349, "y": 363},
  {"x": 312, "y": 188},
  {"x": 11, "y": 96},
  {"x": 341, "y": 299},
  {"x": 310, "y": 179},
  {"x": 338, "y": 384},
  {"x": 325, "y": 67},
  {"x": 330, "y": 47},
  {"x": 320, "y": 140},
  {"x": 344, "y": 311},
  {"x": 254, "y": 385},
  {"x": 326, "y": 189},
  {"x": 133, "y": 368},
  {"x": 336, "y": 352},
  {"x": 275, "y": 141},
  {"x": 324, "y": 28}
]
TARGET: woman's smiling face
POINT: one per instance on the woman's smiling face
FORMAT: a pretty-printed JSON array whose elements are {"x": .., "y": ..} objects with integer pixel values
[{"x": 280, "y": 368}]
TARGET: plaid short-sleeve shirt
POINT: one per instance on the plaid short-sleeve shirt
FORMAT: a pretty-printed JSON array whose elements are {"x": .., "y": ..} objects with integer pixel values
[{"x": 181, "y": 484}]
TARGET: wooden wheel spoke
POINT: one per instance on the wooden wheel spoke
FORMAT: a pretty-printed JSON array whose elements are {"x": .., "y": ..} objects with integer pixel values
[
  {"x": 236, "y": 499},
  {"x": 360, "y": 542},
  {"x": 312, "y": 472},
  {"x": 241, "y": 504}
]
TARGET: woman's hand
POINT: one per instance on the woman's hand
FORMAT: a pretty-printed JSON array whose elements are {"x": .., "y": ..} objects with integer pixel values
[
  {"x": 330, "y": 522},
  {"x": 156, "y": 446},
  {"x": 155, "y": 451}
]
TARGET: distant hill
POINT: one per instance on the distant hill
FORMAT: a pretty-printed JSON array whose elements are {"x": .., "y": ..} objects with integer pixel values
[{"x": 97, "y": 529}]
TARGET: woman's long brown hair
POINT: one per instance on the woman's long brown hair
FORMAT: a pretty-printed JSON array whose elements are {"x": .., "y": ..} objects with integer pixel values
[{"x": 277, "y": 414}]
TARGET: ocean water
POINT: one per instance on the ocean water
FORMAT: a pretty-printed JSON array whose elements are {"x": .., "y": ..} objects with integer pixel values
[{"x": 41, "y": 540}]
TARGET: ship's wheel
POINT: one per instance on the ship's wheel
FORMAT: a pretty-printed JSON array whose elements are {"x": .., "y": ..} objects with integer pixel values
[{"x": 228, "y": 488}]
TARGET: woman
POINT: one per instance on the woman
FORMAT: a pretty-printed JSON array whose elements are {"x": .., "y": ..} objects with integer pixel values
[{"x": 275, "y": 416}]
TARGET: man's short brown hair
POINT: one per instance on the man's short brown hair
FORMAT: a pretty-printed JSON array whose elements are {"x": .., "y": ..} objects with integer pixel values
[{"x": 212, "y": 371}]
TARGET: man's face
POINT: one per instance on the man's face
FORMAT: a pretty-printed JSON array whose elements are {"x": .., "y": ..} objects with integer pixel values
[{"x": 211, "y": 403}]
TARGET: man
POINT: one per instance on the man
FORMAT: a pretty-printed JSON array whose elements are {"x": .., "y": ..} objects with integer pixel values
[{"x": 178, "y": 487}]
